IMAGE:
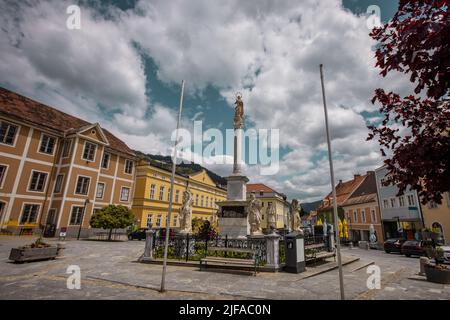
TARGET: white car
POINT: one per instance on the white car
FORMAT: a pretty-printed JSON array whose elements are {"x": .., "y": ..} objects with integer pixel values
[{"x": 446, "y": 249}]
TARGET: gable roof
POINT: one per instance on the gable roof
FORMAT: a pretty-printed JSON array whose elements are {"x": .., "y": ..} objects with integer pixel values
[
  {"x": 365, "y": 192},
  {"x": 202, "y": 176},
  {"x": 258, "y": 187},
  {"x": 343, "y": 192},
  {"x": 30, "y": 111}
]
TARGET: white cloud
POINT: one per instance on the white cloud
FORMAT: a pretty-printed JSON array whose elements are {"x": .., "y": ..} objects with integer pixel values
[{"x": 268, "y": 50}]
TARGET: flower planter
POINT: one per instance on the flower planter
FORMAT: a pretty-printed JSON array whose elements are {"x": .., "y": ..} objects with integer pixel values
[
  {"x": 33, "y": 254},
  {"x": 437, "y": 275}
]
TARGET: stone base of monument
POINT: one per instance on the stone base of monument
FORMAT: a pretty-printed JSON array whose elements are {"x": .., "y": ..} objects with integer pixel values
[{"x": 232, "y": 219}]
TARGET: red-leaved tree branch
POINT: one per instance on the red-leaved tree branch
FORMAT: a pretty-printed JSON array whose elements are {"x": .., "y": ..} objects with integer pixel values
[{"x": 416, "y": 128}]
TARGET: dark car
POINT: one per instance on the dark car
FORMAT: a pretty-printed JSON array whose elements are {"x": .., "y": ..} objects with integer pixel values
[
  {"x": 413, "y": 248},
  {"x": 393, "y": 245},
  {"x": 138, "y": 234}
]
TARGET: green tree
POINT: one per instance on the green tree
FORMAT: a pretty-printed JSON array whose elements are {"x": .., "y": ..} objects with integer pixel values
[{"x": 112, "y": 217}]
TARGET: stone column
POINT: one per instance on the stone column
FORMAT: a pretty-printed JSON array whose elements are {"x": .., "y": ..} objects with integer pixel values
[
  {"x": 273, "y": 251},
  {"x": 148, "y": 251},
  {"x": 237, "y": 151}
]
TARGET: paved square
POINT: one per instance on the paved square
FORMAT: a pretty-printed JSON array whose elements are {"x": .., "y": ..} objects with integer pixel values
[{"x": 109, "y": 271}]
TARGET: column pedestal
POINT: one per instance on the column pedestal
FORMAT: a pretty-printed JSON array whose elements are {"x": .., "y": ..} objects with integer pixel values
[{"x": 148, "y": 251}]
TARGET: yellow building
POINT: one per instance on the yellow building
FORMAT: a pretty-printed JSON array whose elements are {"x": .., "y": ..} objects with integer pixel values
[
  {"x": 437, "y": 216},
  {"x": 151, "y": 199},
  {"x": 267, "y": 195}
]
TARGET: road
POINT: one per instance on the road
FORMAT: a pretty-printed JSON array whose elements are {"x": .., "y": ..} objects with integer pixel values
[{"x": 109, "y": 270}]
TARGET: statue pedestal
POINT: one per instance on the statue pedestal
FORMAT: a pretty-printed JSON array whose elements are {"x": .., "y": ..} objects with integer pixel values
[
  {"x": 232, "y": 219},
  {"x": 236, "y": 188},
  {"x": 273, "y": 251},
  {"x": 148, "y": 251}
]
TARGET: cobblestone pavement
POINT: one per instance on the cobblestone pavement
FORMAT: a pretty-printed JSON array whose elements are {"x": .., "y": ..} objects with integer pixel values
[{"x": 109, "y": 271}]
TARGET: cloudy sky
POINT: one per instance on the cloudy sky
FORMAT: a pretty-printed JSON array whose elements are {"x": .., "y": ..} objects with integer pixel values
[{"x": 123, "y": 68}]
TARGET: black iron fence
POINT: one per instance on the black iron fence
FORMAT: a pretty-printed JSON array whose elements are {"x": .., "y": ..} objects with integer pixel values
[{"x": 191, "y": 248}]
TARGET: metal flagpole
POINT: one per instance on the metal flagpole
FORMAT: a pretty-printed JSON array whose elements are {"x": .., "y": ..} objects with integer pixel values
[
  {"x": 336, "y": 226},
  {"x": 172, "y": 178}
]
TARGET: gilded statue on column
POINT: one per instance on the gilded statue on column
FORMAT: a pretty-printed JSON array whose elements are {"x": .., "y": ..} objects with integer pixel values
[{"x": 239, "y": 112}]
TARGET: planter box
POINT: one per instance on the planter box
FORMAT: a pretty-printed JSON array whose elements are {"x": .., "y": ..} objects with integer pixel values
[
  {"x": 437, "y": 275},
  {"x": 33, "y": 254}
]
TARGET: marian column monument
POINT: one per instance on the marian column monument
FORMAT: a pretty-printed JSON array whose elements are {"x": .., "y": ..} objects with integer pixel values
[{"x": 238, "y": 217}]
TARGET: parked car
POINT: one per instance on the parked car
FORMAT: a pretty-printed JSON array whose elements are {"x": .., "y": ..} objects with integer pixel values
[
  {"x": 446, "y": 257},
  {"x": 413, "y": 248},
  {"x": 393, "y": 245},
  {"x": 138, "y": 234}
]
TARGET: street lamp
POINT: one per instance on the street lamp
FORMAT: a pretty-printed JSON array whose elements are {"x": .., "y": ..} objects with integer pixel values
[{"x": 86, "y": 202}]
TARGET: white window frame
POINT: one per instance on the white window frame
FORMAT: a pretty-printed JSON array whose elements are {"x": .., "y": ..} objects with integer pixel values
[
  {"x": 386, "y": 203},
  {"x": 149, "y": 220},
  {"x": 44, "y": 187},
  {"x": 22, "y": 212},
  {"x": 175, "y": 220},
  {"x": 109, "y": 160},
  {"x": 71, "y": 213},
  {"x": 41, "y": 140},
  {"x": 128, "y": 194},
  {"x": 161, "y": 193},
  {"x": 84, "y": 149},
  {"x": 400, "y": 200},
  {"x": 69, "y": 148},
  {"x": 177, "y": 196},
  {"x": 393, "y": 200},
  {"x": 363, "y": 216},
  {"x": 355, "y": 216},
  {"x": 56, "y": 183},
  {"x": 3, "y": 178},
  {"x": 16, "y": 134},
  {"x": 411, "y": 196},
  {"x": 158, "y": 220},
  {"x": 373, "y": 215},
  {"x": 76, "y": 184},
  {"x": 152, "y": 191},
  {"x": 97, "y": 189},
  {"x": 125, "y": 167}
]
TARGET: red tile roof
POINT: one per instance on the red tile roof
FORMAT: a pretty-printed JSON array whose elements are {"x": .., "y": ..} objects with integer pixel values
[
  {"x": 343, "y": 191},
  {"x": 22, "y": 108},
  {"x": 258, "y": 187}
]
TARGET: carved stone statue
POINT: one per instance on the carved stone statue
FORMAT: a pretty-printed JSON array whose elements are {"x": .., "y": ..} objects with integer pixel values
[
  {"x": 254, "y": 215},
  {"x": 239, "y": 113},
  {"x": 295, "y": 216},
  {"x": 186, "y": 213},
  {"x": 271, "y": 217}
]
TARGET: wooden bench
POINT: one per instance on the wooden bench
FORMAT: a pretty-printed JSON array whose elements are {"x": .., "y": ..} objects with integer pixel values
[
  {"x": 230, "y": 262},
  {"x": 316, "y": 253}
]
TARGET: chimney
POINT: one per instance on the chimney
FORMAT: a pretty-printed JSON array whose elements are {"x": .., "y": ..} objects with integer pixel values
[{"x": 356, "y": 175}]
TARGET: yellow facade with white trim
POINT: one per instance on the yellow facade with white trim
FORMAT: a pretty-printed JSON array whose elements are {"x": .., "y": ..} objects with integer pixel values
[{"x": 151, "y": 198}]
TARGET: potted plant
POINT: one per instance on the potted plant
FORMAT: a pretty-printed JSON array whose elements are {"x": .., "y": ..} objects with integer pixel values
[
  {"x": 436, "y": 272},
  {"x": 38, "y": 250}
]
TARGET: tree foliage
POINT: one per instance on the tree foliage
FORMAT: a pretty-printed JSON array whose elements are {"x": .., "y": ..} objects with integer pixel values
[
  {"x": 112, "y": 217},
  {"x": 416, "y": 128}
]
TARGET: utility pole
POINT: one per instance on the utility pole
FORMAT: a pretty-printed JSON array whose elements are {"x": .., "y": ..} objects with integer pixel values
[
  {"x": 336, "y": 225},
  {"x": 172, "y": 179}
]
